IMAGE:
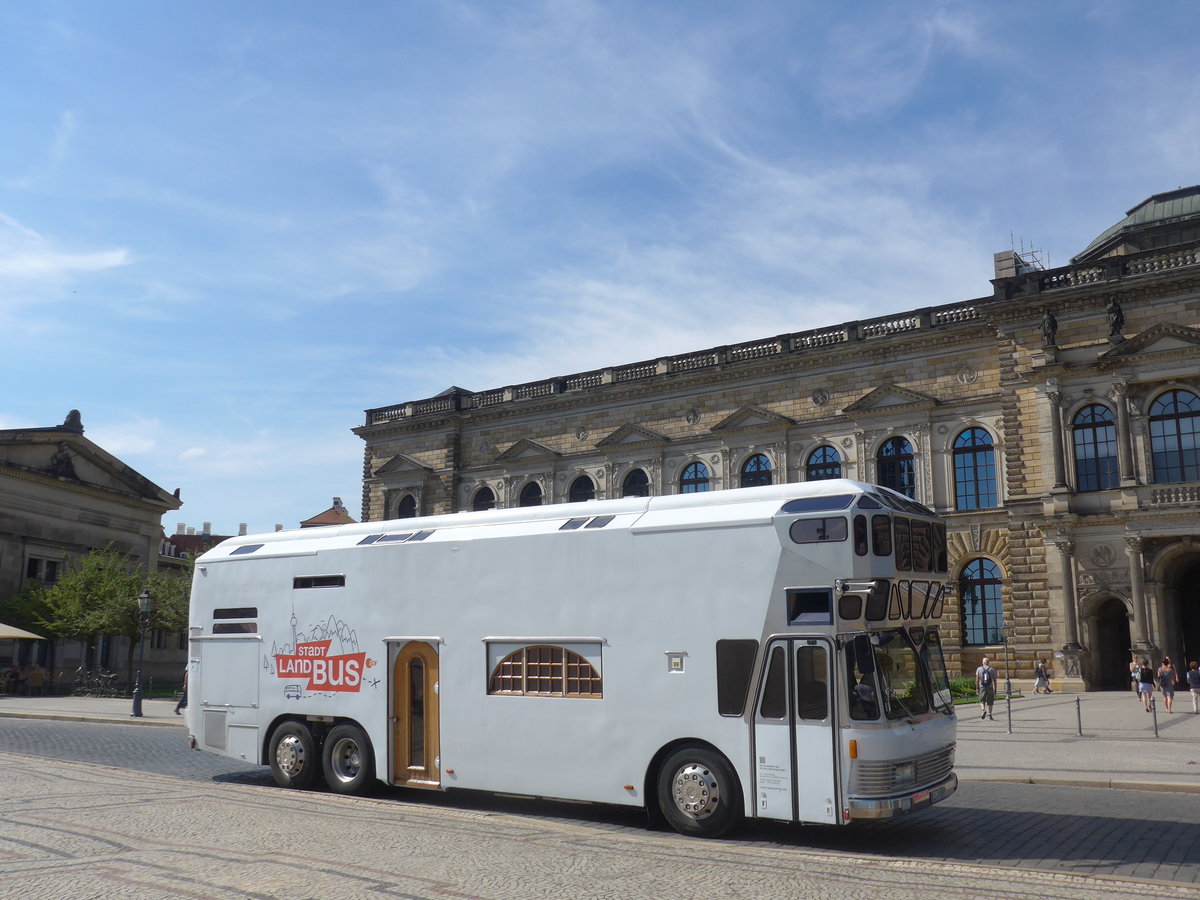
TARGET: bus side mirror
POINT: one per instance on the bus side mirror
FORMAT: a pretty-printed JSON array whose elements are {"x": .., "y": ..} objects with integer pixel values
[{"x": 864, "y": 654}]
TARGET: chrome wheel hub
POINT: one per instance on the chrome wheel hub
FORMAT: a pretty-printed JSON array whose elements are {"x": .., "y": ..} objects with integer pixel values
[
  {"x": 695, "y": 791},
  {"x": 290, "y": 755},
  {"x": 345, "y": 759}
]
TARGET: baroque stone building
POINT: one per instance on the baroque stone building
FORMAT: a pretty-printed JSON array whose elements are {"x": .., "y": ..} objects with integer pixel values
[{"x": 1053, "y": 422}]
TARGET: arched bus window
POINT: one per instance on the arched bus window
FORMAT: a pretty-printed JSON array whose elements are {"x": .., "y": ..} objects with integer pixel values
[
  {"x": 974, "y": 470},
  {"x": 1094, "y": 436},
  {"x": 636, "y": 484},
  {"x": 531, "y": 495},
  {"x": 982, "y": 611},
  {"x": 823, "y": 463},
  {"x": 756, "y": 471},
  {"x": 694, "y": 479},
  {"x": 1175, "y": 437},
  {"x": 407, "y": 508},
  {"x": 485, "y": 498},
  {"x": 897, "y": 469},
  {"x": 582, "y": 489}
]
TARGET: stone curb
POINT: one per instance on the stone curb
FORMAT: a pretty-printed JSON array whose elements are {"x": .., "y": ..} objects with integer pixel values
[
  {"x": 1168, "y": 787},
  {"x": 78, "y": 717}
]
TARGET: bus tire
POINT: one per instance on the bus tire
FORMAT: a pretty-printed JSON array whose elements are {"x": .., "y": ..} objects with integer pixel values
[
  {"x": 293, "y": 756},
  {"x": 699, "y": 793},
  {"x": 348, "y": 760}
]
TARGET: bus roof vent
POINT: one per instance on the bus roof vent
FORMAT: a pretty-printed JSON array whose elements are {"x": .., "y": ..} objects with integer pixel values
[
  {"x": 599, "y": 522},
  {"x": 246, "y": 548},
  {"x": 420, "y": 536},
  {"x": 370, "y": 538},
  {"x": 572, "y": 524}
]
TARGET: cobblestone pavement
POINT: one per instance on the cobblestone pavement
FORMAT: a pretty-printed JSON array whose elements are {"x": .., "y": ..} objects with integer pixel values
[{"x": 78, "y": 831}]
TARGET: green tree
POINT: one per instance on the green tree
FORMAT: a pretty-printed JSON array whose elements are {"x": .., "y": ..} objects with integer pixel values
[{"x": 98, "y": 595}]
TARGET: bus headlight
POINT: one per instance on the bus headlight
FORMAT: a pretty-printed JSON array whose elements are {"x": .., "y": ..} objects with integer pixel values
[{"x": 905, "y": 772}]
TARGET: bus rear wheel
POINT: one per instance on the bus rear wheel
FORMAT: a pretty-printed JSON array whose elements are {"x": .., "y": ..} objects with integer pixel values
[
  {"x": 348, "y": 760},
  {"x": 698, "y": 793},
  {"x": 293, "y": 755}
]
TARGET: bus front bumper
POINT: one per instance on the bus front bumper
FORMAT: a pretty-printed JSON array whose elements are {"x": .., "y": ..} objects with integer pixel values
[{"x": 887, "y": 807}]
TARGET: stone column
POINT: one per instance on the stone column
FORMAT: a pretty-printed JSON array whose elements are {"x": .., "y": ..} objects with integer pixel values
[
  {"x": 1119, "y": 396},
  {"x": 1066, "y": 552},
  {"x": 1137, "y": 580},
  {"x": 1056, "y": 437}
]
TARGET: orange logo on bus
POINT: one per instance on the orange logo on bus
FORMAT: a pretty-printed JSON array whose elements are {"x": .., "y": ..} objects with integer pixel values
[{"x": 324, "y": 672}]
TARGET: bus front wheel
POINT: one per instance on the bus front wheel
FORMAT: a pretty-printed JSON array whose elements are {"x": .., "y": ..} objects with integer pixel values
[
  {"x": 348, "y": 760},
  {"x": 698, "y": 792},
  {"x": 293, "y": 755}
]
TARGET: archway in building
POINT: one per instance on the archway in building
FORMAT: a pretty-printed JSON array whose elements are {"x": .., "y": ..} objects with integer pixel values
[
  {"x": 1111, "y": 646},
  {"x": 1187, "y": 594}
]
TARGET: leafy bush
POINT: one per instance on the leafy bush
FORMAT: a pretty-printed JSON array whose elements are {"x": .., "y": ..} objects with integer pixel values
[{"x": 962, "y": 687}]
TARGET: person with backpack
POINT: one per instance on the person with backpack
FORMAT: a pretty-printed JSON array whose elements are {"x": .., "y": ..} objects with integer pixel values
[
  {"x": 1166, "y": 683},
  {"x": 985, "y": 686},
  {"x": 1146, "y": 683}
]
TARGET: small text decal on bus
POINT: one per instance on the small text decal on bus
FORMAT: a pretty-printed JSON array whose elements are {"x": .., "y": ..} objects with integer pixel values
[{"x": 324, "y": 672}]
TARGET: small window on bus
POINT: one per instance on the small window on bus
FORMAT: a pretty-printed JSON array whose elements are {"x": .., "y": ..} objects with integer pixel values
[
  {"x": 599, "y": 522},
  {"x": 318, "y": 581},
  {"x": 812, "y": 683},
  {"x": 939, "y": 547},
  {"x": 850, "y": 606},
  {"x": 420, "y": 536},
  {"x": 246, "y": 548},
  {"x": 860, "y": 535},
  {"x": 394, "y": 538},
  {"x": 866, "y": 501},
  {"x": 922, "y": 546},
  {"x": 235, "y": 628},
  {"x": 903, "y": 544},
  {"x": 572, "y": 524},
  {"x": 896, "y": 605},
  {"x": 813, "y": 607},
  {"x": 818, "y": 504},
  {"x": 236, "y": 612},
  {"x": 815, "y": 531},
  {"x": 735, "y": 668},
  {"x": 773, "y": 704},
  {"x": 934, "y": 609},
  {"x": 545, "y": 670},
  {"x": 370, "y": 539},
  {"x": 881, "y": 535},
  {"x": 877, "y": 600}
]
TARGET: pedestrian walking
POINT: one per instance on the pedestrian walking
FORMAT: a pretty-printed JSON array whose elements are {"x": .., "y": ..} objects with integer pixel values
[
  {"x": 985, "y": 686},
  {"x": 1166, "y": 683},
  {"x": 1146, "y": 683},
  {"x": 1134, "y": 668},
  {"x": 1193, "y": 682},
  {"x": 182, "y": 704},
  {"x": 1042, "y": 674}
]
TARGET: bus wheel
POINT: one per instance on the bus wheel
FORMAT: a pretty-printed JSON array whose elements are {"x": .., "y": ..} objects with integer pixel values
[
  {"x": 348, "y": 761},
  {"x": 698, "y": 793},
  {"x": 293, "y": 756}
]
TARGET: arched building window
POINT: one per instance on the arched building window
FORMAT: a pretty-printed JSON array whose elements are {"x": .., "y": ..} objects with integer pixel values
[
  {"x": 694, "y": 479},
  {"x": 823, "y": 463},
  {"x": 896, "y": 467},
  {"x": 531, "y": 495},
  {"x": 1094, "y": 436},
  {"x": 407, "y": 508},
  {"x": 1175, "y": 437},
  {"x": 982, "y": 607},
  {"x": 582, "y": 489},
  {"x": 974, "y": 470},
  {"x": 756, "y": 471},
  {"x": 636, "y": 484},
  {"x": 485, "y": 498}
]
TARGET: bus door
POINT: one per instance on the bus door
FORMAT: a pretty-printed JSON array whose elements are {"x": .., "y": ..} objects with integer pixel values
[
  {"x": 794, "y": 738},
  {"x": 416, "y": 760},
  {"x": 226, "y": 693}
]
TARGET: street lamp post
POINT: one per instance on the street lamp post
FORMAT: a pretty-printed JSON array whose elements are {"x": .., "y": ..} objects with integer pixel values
[
  {"x": 145, "y": 602},
  {"x": 1007, "y": 679}
]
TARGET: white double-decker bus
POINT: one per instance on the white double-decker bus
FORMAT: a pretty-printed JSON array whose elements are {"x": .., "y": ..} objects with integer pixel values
[{"x": 767, "y": 652}]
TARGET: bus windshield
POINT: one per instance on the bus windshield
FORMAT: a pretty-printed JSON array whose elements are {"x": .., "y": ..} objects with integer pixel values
[
  {"x": 931, "y": 655},
  {"x": 903, "y": 686}
]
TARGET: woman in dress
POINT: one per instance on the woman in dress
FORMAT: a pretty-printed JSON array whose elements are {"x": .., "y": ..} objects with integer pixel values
[{"x": 1042, "y": 685}]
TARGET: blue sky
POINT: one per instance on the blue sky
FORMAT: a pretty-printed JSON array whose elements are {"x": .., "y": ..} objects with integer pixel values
[{"x": 228, "y": 228}]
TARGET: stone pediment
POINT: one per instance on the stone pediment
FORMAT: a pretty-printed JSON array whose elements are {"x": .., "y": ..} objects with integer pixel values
[
  {"x": 888, "y": 398},
  {"x": 63, "y": 454},
  {"x": 751, "y": 417},
  {"x": 1161, "y": 338},
  {"x": 527, "y": 449},
  {"x": 631, "y": 435},
  {"x": 401, "y": 464}
]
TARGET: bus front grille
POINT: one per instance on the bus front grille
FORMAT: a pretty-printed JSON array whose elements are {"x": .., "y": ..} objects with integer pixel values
[{"x": 879, "y": 779}]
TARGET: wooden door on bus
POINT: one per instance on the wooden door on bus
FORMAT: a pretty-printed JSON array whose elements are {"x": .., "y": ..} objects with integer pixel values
[
  {"x": 794, "y": 736},
  {"x": 415, "y": 746}
]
